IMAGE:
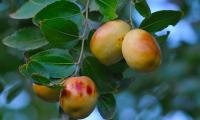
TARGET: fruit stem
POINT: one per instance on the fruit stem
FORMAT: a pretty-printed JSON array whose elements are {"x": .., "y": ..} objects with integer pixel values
[{"x": 83, "y": 38}]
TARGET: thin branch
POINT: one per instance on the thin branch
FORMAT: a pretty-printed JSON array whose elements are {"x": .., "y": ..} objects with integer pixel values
[{"x": 83, "y": 37}]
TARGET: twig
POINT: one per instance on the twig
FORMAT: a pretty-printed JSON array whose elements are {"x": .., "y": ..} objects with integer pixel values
[{"x": 83, "y": 38}]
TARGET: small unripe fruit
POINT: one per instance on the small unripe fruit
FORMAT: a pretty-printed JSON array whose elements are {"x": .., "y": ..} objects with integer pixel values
[
  {"x": 78, "y": 98},
  {"x": 46, "y": 93},
  {"x": 141, "y": 51},
  {"x": 106, "y": 42}
]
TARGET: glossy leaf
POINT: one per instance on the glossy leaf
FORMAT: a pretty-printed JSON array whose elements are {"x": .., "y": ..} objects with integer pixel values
[
  {"x": 106, "y": 105},
  {"x": 107, "y": 8},
  {"x": 60, "y": 9},
  {"x": 59, "y": 63},
  {"x": 163, "y": 38},
  {"x": 160, "y": 20},
  {"x": 143, "y": 8},
  {"x": 23, "y": 70},
  {"x": 95, "y": 70},
  {"x": 55, "y": 55},
  {"x": 25, "y": 39},
  {"x": 39, "y": 79},
  {"x": 60, "y": 32},
  {"x": 30, "y": 9},
  {"x": 1, "y": 86},
  {"x": 35, "y": 67},
  {"x": 13, "y": 92}
]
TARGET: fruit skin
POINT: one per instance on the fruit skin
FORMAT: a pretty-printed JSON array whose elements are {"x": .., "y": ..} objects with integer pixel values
[
  {"x": 79, "y": 96},
  {"x": 106, "y": 42},
  {"x": 141, "y": 50},
  {"x": 46, "y": 93}
]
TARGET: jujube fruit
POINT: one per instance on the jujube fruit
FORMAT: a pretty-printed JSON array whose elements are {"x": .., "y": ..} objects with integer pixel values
[
  {"x": 46, "y": 93},
  {"x": 78, "y": 97},
  {"x": 141, "y": 50},
  {"x": 107, "y": 40}
]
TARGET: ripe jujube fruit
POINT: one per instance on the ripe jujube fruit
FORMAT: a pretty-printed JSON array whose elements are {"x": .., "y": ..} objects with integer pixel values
[
  {"x": 78, "y": 97},
  {"x": 46, "y": 93},
  {"x": 106, "y": 42},
  {"x": 141, "y": 50}
]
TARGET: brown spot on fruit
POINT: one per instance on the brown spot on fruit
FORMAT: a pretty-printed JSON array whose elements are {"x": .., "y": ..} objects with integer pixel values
[
  {"x": 65, "y": 93},
  {"x": 89, "y": 90},
  {"x": 79, "y": 86}
]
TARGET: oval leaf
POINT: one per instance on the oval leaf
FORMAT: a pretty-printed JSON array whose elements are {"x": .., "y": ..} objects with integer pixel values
[
  {"x": 54, "y": 56},
  {"x": 143, "y": 8},
  {"x": 39, "y": 79},
  {"x": 160, "y": 20},
  {"x": 59, "y": 63},
  {"x": 30, "y": 9},
  {"x": 1, "y": 86},
  {"x": 106, "y": 105},
  {"x": 35, "y": 67},
  {"x": 163, "y": 38},
  {"x": 23, "y": 70},
  {"x": 60, "y": 9},
  {"x": 13, "y": 92},
  {"x": 26, "y": 39},
  {"x": 60, "y": 32},
  {"x": 107, "y": 8},
  {"x": 97, "y": 72}
]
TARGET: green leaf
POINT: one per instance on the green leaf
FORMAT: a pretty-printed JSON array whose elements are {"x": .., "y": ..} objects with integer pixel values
[
  {"x": 1, "y": 86},
  {"x": 123, "y": 10},
  {"x": 160, "y": 20},
  {"x": 26, "y": 39},
  {"x": 60, "y": 9},
  {"x": 95, "y": 16},
  {"x": 95, "y": 70},
  {"x": 30, "y": 9},
  {"x": 163, "y": 38},
  {"x": 54, "y": 56},
  {"x": 106, "y": 105},
  {"x": 128, "y": 73},
  {"x": 39, "y": 79},
  {"x": 60, "y": 71},
  {"x": 107, "y": 8},
  {"x": 35, "y": 67},
  {"x": 58, "y": 62},
  {"x": 143, "y": 8},
  {"x": 125, "y": 83},
  {"x": 23, "y": 70},
  {"x": 118, "y": 68},
  {"x": 60, "y": 32},
  {"x": 13, "y": 92}
]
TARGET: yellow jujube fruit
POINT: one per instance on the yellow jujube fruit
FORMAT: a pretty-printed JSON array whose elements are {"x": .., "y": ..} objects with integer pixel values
[
  {"x": 46, "y": 93},
  {"x": 141, "y": 51},
  {"x": 106, "y": 42},
  {"x": 79, "y": 96}
]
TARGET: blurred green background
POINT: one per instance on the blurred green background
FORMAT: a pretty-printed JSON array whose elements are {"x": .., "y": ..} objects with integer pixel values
[{"x": 170, "y": 93}]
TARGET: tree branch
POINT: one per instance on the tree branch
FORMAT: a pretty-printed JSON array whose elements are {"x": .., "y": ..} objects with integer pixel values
[{"x": 83, "y": 38}]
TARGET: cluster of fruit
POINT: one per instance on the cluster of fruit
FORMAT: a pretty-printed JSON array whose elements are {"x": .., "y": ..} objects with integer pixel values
[
  {"x": 114, "y": 40},
  {"x": 109, "y": 44}
]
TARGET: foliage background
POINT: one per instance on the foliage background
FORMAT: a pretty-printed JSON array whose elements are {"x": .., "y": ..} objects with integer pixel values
[{"x": 170, "y": 93}]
